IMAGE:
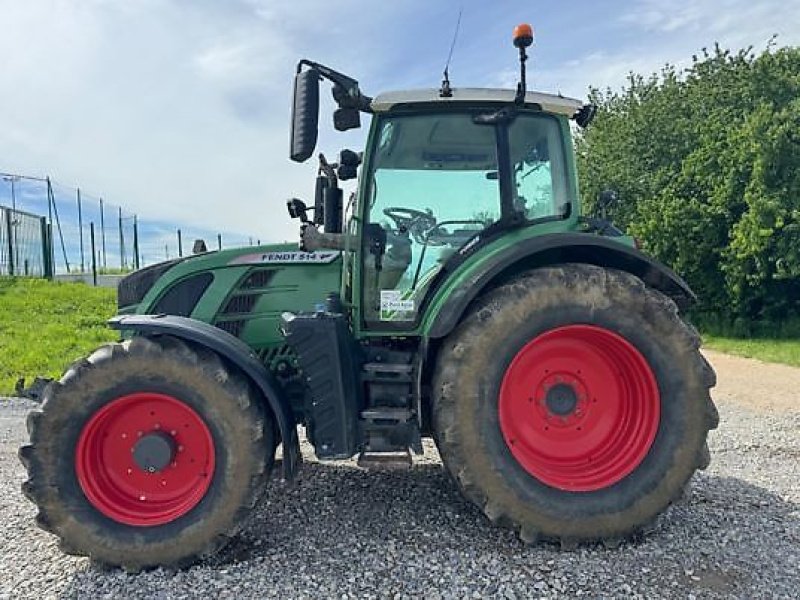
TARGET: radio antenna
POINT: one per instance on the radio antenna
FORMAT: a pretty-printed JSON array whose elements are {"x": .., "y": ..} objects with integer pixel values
[{"x": 446, "y": 92}]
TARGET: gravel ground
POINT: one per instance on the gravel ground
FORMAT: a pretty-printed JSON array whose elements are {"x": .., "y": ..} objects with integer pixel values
[{"x": 342, "y": 532}]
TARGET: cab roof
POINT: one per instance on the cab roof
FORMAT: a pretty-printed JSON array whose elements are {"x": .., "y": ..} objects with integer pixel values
[{"x": 551, "y": 103}]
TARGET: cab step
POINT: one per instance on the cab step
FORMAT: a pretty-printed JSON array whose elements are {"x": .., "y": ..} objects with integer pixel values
[{"x": 385, "y": 461}]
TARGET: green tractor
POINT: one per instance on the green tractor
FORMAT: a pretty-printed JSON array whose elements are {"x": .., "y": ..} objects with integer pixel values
[{"x": 458, "y": 294}]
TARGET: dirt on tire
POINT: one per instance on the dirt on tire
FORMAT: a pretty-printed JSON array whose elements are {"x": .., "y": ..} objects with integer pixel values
[
  {"x": 473, "y": 363},
  {"x": 243, "y": 453}
]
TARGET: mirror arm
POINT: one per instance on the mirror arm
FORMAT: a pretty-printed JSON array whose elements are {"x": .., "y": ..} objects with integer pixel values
[{"x": 350, "y": 85}]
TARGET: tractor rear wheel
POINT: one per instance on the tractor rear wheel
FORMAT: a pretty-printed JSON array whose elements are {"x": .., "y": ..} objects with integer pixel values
[
  {"x": 573, "y": 404},
  {"x": 149, "y": 453}
]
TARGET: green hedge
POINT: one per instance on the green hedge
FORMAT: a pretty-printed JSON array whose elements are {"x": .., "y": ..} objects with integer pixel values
[{"x": 707, "y": 165}]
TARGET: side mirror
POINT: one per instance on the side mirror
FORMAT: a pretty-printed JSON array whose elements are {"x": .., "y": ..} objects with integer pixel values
[
  {"x": 585, "y": 115},
  {"x": 305, "y": 115},
  {"x": 607, "y": 200}
]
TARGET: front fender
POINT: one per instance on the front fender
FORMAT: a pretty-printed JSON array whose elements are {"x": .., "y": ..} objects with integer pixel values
[
  {"x": 234, "y": 350},
  {"x": 544, "y": 250}
]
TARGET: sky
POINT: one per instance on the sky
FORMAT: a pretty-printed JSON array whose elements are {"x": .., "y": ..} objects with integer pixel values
[{"x": 178, "y": 110}]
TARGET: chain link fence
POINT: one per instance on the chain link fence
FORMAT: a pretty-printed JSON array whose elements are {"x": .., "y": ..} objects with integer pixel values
[
  {"x": 48, "y": 228},
  {"x": 24, "y": 244}
]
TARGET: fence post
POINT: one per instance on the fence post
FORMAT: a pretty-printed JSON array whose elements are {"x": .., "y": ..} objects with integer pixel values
[
  {"x": 136, "y": 258},
  {"x": 94, "y": 255},
  {"x": 180, "y": 244},
  {"x": 47, "y": 266},
  {"x": 219, "y": 241},
  {"x": 80, "y": 230},
  {"x": 7, "y": 213},
  {"x": 122, "y": 260},
  {"x": 103, "y": 233}
]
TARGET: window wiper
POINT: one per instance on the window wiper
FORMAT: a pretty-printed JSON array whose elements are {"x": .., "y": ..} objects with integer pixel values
[{"x": 532, "y": 170}]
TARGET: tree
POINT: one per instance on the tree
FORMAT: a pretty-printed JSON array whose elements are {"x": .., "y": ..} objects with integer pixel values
[{"x": 707, "y": 166}]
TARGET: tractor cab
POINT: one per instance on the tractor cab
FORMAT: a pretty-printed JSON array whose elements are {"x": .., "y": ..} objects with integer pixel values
[{"x": 446, "y": 171}]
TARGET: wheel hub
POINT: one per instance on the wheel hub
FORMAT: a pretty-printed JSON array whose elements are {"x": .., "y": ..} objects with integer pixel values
[
  {"x": 154, "y": 452},
  {"x": 561, "y": 399}
]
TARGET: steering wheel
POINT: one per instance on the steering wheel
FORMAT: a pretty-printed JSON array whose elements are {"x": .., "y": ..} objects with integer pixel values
[{"x": 416, "y": 222}]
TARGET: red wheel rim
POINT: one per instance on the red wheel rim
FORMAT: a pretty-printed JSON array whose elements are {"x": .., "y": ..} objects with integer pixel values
[
  {"x": 579, "y": 408},
  {"x": 111, "y": 471}
]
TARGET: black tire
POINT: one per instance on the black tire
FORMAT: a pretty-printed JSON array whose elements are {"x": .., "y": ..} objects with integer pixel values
[
  {"x": 243, "y": 441},
  {"x": 470, "y": 369}
]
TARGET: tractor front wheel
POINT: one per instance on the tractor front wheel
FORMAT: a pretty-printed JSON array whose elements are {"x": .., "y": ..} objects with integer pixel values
[
  {"x": 149, "y": 453},
  {"x": 573, "y": 404}
]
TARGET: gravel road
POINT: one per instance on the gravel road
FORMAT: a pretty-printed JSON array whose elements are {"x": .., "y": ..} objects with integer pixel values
[{"x": 341, "y": 532}]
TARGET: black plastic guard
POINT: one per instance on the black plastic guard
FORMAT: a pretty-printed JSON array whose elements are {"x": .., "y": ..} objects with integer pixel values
[
  {"x": 326, "y": 354},
  {"x": 237, "y": 352}
]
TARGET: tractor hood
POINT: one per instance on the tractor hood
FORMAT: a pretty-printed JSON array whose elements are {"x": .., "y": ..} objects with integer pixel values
[
  {"x": 136, "y": 287},
  {"x": 241, "y": 290}
]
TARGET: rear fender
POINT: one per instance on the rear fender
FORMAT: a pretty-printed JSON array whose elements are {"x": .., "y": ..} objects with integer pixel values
[
  {"x": 233, "y": 350},
  {"x": 553, "y": 249}
]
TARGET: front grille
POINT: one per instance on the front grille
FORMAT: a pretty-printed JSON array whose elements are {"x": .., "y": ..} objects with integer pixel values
[
  {"x": 241, "y": 304},
  {"x": 257, "y": 279},
  {"x": 182, "y": 297},
  {"x": 133, "y": 288},
  {"x": 243, "y": 301},
  {"x": 232, "y": 327}
]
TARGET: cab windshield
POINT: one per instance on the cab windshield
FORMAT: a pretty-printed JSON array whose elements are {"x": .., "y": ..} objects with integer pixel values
[{"x": 433, "y": 185}]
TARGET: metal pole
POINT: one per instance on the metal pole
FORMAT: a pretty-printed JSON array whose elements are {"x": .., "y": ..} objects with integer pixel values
[
  {"x": 180, "y": 244},
  {"x": 80, "y": 230},
  {"x": 94, "y": 254},
  {"x": 14, "y": 220},
  {"x": 103, "y": 232},
  {"x": 51, "y": 250},
  {"x": 136, "y": 259},
  {"x": 219, "y": 241},
  {"x": 50, "y": 228},
  {"x": 166, "y": 251},
  {"x": 58, "y": 225},
  {"x": 7, "y": 214},
  {"x": 47, "y": 266},
  {"x": 121, "y": 242}
]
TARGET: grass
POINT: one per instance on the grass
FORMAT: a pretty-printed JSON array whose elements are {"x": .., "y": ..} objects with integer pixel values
[
  {"x": 44, "y": 326},
  {"x": 769, "y": 350},
  {"x": 770, "y": 341}
]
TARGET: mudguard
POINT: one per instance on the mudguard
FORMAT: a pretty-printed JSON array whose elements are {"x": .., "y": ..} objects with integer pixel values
[
  {"x": 234, "y": 350},
  {"x": 552, "y": 249}
]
